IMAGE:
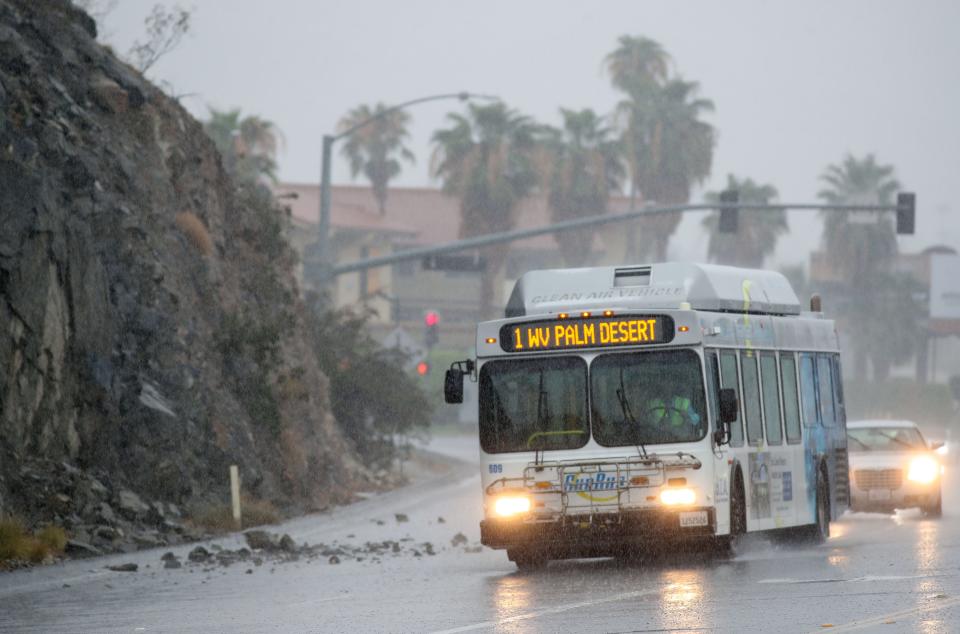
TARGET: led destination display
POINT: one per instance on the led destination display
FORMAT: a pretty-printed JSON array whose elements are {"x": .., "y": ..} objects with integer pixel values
[{"x": 592, "y": 332}]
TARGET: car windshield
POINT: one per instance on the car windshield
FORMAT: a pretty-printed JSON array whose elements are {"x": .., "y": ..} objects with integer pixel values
[
  {"x": 533, "y": 404},
  {"x": 648, "y": 398},
  {"x": 885, "y": 439}
]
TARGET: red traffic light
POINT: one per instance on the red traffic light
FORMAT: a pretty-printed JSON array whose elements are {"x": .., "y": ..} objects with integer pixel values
[
  {"x": 423, "y": 368},
  {"x": 431, "y": 318}
]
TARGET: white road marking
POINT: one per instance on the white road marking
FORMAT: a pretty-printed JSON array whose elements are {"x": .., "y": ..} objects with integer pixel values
[
  {"x": 933, "y": 606},
  {"x": 852, "y": 579},
  {"x": 555, "y": 610}
]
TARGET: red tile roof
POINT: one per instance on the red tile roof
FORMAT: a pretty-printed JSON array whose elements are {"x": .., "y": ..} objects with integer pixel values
[{"x": 421, "y": 215}]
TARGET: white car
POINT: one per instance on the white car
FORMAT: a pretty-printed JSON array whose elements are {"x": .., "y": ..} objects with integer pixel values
[{"x": 891, "y": 467}]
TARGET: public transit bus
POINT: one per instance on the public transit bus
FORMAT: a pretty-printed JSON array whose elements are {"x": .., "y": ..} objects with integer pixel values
[{"x": 622, "y": 408}]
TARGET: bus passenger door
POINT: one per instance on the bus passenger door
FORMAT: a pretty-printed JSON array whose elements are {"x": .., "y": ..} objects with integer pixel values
[
  {"x": 814, "y": 435},
  {"x": 721, "y": 470}
]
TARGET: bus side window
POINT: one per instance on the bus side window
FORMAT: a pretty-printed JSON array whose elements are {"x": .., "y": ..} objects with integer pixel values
[
  {"x": 838, "y": 390},
  {"x": 713, "y": 387},
  {"x": 729, "y": 378},
  {"x": 825, "y": 376},
  {"x": 791, "y": 401},
  {"x": 808, "y": 389},
  {"x": 751, "y": 396},
  {"x": 771, "y": 397}
]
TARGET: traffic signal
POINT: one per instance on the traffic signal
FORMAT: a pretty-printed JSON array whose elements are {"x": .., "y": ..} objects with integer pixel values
[
  {"x": 906, "y": 213},
  {"x": 431, "y": 322},
  {"x": 423, "y": 368},
  {"x": 729, "y": 218}
]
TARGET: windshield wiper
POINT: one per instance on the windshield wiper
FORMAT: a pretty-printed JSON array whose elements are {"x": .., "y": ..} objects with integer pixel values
[
  {"x": 628, "y": 414},
  {"x": 860, "y": 442},
  {"x": 897, "y": 440},
  {"x": 543, "y": 416}
]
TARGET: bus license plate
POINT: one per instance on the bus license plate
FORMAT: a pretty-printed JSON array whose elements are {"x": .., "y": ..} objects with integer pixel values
[
  {"x": 879, "y": 495},
  {"x": 693, "y": 518}
]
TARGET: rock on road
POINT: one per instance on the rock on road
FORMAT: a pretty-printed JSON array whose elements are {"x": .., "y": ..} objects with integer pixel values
[{"x": 876, "y": 573}]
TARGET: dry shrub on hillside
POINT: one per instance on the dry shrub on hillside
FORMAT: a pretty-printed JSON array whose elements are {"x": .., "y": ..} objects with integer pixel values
[
  {"x": 17, "y": 544},
  {"x": 195, "y": 231},
  {"x": 219, "y": 519}
]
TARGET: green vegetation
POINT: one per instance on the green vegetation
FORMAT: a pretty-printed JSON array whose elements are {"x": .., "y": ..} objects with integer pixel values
[
  {"x": 248, "y": 144},
  {"x": 585, "y": 166},
  {"x": 439, "y": 359},
  {"x": 861, "y": 248},
  {"x": 758, "y": 230},
  {"x": 487, "y": 158},
  {"x": 251, "y": 354},
  {"x": 668, "y": 147},
  {"x": 17, "y": 544},
  {"x": 377, "y": 403},
  {"x": 376, "y": 149}
]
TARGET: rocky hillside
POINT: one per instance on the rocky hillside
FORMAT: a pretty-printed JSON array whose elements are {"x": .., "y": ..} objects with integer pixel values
[{"x": 150, "y": 328}]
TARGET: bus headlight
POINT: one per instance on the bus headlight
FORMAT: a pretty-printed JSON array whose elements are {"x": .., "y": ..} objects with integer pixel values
[
  {"x": 510, "y": 505},
  {"x": 923, "y": 469},
  {"x": 678, "y": 496}
]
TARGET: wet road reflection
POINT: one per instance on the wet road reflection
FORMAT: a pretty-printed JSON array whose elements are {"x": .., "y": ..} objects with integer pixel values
[
  {"x": 511, "y": 595},
  {"x": 871, "y": 565},
  {"x": 681, "y": 599},
  {"x": 890, "y": 573}
]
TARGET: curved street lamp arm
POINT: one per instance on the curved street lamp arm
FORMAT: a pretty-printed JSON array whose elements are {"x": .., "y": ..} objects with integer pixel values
[{"x": 462, "y": 96}]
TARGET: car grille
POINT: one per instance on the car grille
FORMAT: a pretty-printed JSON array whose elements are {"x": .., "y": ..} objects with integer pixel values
[{"x": 878, "y": 478}]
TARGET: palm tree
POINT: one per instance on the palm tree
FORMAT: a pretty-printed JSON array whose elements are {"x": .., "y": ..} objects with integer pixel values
[
  {"x": 377, "y": 149},
  {"x": 859, "y": 243},
  {"x": 248, "y": 145},
  {"x": 861, "y": 248},
  {"x": 487, "y": 159},
  {"x": 669, "y": 148},
  {"x": 758, "y": 230},
  {"x": 584, "y": 166},
  {"x": 672, "y": 150},
  {"x": 637, "y": 65}
]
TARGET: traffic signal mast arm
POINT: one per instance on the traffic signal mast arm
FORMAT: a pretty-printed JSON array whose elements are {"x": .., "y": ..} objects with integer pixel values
[{"x": 905, "y": 210}]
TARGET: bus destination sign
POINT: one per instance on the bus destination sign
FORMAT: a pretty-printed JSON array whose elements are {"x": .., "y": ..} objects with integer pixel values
[{"x": 591, "y": 332}]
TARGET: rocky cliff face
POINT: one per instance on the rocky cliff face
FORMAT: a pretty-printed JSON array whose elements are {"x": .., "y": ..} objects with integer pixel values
[{"x": 150, "y": 328}]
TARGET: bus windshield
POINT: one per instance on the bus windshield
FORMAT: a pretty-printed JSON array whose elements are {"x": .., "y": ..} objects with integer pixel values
[
  {"x": 533, "y": 404},
  {"x": 642, "y": 398}
]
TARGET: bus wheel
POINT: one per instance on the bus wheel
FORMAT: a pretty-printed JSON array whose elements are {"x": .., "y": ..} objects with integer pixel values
[
  {"x": 820, "y": 530},
  {"x": 738, "y": 517},
  {"x": 527, "y": 559}
]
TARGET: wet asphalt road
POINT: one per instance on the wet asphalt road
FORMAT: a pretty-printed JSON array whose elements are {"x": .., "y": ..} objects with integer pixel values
[{"x": 877, "y": 573}]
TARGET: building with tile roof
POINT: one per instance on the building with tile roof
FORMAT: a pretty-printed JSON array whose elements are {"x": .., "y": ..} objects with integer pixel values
[{"x": 414, "y": 217}]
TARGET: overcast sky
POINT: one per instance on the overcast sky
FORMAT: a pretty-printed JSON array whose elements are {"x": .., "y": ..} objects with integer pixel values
[{"x": 796, "y": 85}]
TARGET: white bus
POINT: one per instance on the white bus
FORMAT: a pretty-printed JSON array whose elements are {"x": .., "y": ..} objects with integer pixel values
[{"x": 626, "y": 407}]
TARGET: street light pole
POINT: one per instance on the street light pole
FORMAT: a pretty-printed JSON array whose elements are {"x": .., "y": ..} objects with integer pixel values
[
  {"x": 324, "y": 262},
  {"x": 323, "y": 259}
]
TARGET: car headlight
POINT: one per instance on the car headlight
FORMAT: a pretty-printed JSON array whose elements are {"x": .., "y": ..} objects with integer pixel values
[
  {"x": 510, "y": 505},
  {"x": 923, "y": 469},
  {"x": 678, "y": 496}
]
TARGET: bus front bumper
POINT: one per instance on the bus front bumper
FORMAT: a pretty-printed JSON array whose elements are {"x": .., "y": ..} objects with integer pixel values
[{"x": 599, "y": 535}]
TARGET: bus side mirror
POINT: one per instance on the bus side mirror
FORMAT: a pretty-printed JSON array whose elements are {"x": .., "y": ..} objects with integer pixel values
[
  {"x": 453, "y": 386},
  {"x": 936, "y": 445},
  {"x": 728, "y": 405}
]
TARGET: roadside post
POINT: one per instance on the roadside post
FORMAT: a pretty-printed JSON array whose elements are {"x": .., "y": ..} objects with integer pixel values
[{"x": 235, "y": 495}]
